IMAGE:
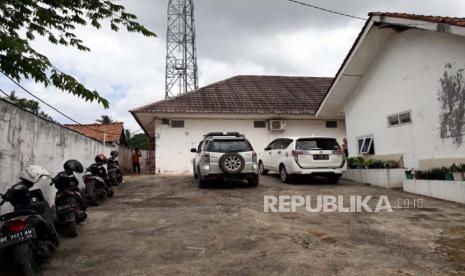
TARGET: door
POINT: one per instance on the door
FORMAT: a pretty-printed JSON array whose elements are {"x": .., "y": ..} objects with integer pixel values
[
  {"x": 267, "y": 154},
  {"x": 279, "y": 152}
]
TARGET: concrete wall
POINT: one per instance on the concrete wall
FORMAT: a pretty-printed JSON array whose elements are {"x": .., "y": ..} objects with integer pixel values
[
  {"x": 445, "y": 190},
  {"x": 407, "y": 76},
  {"x": 26, "y": 139},
  {"x": 173, "y": 144},
  {"x": 386, "y": 178}
]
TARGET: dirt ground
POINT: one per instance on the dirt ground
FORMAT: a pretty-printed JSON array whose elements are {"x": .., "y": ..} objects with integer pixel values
[{"x": 165, "y": 225}]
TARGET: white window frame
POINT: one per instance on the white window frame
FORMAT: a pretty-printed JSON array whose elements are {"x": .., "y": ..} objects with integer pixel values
[
  {"x": 365, "y": 138},
  {"x": 398, "y": 118}
]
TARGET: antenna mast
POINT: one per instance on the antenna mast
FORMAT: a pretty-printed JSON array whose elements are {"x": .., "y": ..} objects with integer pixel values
[{"x": 181, "y": 56}]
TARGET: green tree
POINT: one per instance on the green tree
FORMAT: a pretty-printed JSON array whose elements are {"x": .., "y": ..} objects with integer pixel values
[
  {"x": 30, "y": 105},
  {"x": 140, "y": 141},
  {"x": 127, "y": 134},
  {"x": 105, "y": 119},
  {"x": 22, "y": 20}
]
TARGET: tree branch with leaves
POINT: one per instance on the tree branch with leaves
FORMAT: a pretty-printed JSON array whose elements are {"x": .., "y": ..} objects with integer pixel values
[{"x": 22, "y": 20}]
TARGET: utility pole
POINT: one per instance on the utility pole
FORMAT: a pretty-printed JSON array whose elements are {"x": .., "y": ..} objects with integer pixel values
[{"x": 181, "y": 56}]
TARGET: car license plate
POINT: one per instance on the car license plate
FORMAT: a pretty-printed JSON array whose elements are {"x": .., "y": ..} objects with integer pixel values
[
  {"x": 7, "y": 239},
  {"x": 320, "y": 157}
]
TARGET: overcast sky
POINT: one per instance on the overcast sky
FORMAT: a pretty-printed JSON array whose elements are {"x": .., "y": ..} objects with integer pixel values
[{"x": 234, "y": 37}]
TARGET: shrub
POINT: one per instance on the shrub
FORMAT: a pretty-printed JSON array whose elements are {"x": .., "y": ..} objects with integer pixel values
[
  {"x": 432, "y": 174},
  {"x": 356, "y": 162},
  {"x": 374, "y": 164},
  {"x": 361, "y": 163}
]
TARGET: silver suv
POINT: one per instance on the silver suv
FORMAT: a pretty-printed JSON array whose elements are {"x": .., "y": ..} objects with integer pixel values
[{"x": 225, "y": 156}]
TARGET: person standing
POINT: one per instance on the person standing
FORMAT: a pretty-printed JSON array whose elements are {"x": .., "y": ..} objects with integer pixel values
[
  {"x": 345, "y": 147},
  {"x": 135, "y": 161}
]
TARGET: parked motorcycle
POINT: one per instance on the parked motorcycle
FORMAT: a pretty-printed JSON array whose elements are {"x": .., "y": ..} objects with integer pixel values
[
  {"x": 69, "y": 206},
  {"x": 96, "y": 181},
  {"x": 115, "y": 176},
  {"x": 27, "y": 235}
]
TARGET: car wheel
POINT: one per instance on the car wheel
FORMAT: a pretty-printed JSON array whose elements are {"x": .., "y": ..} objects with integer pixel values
[
  {"x": 195, "y": 172},
  {"x": 334, "y": 179},
  {"x": 203, "y": 184},
  {"x": 283, "y": 174},
  {"x": 254, "y": 181},
  {"x": 261, "y": 169}
]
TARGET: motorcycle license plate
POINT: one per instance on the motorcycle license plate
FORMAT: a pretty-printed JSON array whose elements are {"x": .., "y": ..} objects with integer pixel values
[{"x": 7, "y": 239}]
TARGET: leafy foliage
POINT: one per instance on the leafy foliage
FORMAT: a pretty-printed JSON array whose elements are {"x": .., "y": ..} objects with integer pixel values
[
  {"x": 105, "y": 119},
  {"x": 127, "y": 134},
  {"x": 22, "y": 20},
  {"x": 139, "y": 141},
  {"x": 30, "y": 105},
  {"x": 361, "y": 163}
]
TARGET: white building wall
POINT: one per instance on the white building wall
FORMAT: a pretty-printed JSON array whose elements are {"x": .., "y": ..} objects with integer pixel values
[
  {"x": 173, "y": 144},
  {"x": 406, "y": 76}
]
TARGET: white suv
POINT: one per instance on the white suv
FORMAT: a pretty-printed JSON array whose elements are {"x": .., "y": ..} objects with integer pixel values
[{"x": 315, "y": 156}]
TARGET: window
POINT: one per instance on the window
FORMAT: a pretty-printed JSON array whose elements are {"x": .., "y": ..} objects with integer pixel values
[
  {"x": 400, "y": 119},
  {"x": 224, "y": 146},
  {"x": 165, "y": 121},
  {"x": 317, "y": 144},
  {"x": 259, "y": 124},
  {"x": 177, "y": 123},
  {"x": 282, "y": 144},
  {"x": 272, "y": 145},
  {"x": 199, "y": 148},
  {"x": 331, "y": 124},
  {"x": 366, "y": 145}
]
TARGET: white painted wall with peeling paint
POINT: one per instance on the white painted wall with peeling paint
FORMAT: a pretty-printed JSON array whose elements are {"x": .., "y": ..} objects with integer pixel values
[
  {"x": 406, "y": 76},
  {"x": 26, "y": 139},
  {"x": 173, "y": 144}
]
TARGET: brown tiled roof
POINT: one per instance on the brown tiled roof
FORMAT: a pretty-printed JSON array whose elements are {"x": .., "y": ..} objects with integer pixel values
[
  {"x": 250, "y": 95},
  {"x": 114, "y": 131},
  {"x": 456, "y": 21}
]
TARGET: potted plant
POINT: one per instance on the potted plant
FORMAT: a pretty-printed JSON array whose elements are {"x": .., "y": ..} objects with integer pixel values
[
  {"x": 456, "y": 172},
  {"x": 409, "y": 174}
]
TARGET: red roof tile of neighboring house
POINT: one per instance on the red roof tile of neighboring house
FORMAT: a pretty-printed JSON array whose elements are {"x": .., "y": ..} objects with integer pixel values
[
  {"x": 456, "y": 21},
  {"x": 250, "y": 95},
  {"x": 114, "y": 131}
]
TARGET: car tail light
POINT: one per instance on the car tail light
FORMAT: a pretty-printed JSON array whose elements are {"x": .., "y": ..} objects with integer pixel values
[
  {"x": 296, "y": 153},
  {"x": 254, "y": 157},
  {"x": 338, "y": 152},
  {"x": 206, "y": 157},
  {"x": 15, "y": 225}
]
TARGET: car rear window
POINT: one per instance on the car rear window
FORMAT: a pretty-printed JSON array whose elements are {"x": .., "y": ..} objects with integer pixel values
[
  {"x": 225, "y": 146},
  {"x": 317, "y": 144}
]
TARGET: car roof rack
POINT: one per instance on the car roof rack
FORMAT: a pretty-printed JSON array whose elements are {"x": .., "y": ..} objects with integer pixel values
[{"x": 236, "y": 134}]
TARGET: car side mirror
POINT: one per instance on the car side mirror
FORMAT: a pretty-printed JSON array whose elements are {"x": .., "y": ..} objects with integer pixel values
[
  {"x": 193, "y": 150},
  {"x": 267, "y": 148}
]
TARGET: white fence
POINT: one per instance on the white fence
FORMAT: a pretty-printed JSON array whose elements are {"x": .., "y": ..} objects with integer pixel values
[{"x": 26, "y": 139}]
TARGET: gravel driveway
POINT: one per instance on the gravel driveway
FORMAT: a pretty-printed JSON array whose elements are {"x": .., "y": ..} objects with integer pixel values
[{"x": 165, "y": 225}]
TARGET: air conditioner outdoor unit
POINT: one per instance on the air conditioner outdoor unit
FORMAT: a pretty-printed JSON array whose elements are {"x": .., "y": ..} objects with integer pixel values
[{"x": 277, "y": 125}]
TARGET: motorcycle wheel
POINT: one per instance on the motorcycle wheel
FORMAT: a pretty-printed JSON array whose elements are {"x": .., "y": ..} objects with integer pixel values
[
  {"x": 110, "y": 192},
  {"x": 93, "y": 199},
  {"x": 24, "y": 258},
  {"x": 72, "y": 226}
]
